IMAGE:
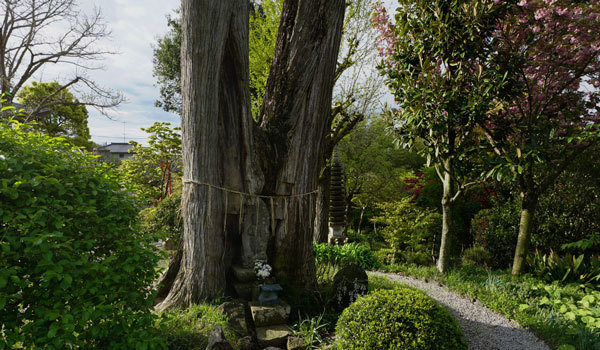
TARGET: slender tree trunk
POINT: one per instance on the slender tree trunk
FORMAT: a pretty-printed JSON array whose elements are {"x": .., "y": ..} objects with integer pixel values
[
  {"x": 360, "y": 220},
  {"x": 322, "y": 209},
  {"x": 446, "y": 240},
  {"x": 528, "y": 206}
]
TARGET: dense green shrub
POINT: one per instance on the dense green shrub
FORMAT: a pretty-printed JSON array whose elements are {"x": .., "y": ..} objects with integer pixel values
[
  {"x": 477, "y": 256},
  {"x": 400, "y": 318},
  {"x": 428, "y": 193},
  {"x": 496, "y": 229},
  {"x": 164, "y": 218},
  {"x": 339, "y": 255},
  {"x": 74, "y": 272},
  {"x": 408, "y": 229},
  {"x": 570, "y": 210},
  {"x": 565, "y": 269},
  {"x": 189, "y": 329},
  {"x": 384, "y": 256},
  {"x": 424, "y": 258}
]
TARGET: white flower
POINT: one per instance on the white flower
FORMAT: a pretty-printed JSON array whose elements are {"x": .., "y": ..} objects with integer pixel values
[
  {"x": 262, "y": 269},
  {"x": 2, "y": 157}
]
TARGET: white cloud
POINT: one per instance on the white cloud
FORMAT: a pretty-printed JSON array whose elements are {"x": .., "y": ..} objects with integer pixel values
[{"x": 134, "y": 25}]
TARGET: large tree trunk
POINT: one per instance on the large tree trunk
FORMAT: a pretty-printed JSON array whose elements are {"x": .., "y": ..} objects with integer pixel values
[
  {"x": 295, "y": 114},
  {"x": 225, "y": 153},
  {"x": 446, "y": 241},
  {"x": 216, "y": 141},
  {"x": 322, "y": 208},
  {"x": 528, "y": 206}
]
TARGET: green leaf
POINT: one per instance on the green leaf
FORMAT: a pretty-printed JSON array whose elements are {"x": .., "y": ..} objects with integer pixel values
[
  {"x": 53, "y": 330},
  {"x": 589, "y": 299},
  {"x": 67, "y": 279},
  {"x": 566, "y": 347}
]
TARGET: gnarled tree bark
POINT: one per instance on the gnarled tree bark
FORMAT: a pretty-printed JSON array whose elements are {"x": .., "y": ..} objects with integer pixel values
[{"x": 224, "y": 150}]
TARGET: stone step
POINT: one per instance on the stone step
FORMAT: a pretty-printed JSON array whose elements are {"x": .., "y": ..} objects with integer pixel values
[
  {"x": 243, "y": 274},
  {"x": 270, "y": 315},
  {"x": 272, "y": 335}
]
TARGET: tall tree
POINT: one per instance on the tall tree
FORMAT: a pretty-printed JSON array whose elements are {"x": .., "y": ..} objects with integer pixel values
[
  {"x": 264, "y": 22},
  {"x": 63, "y": 115},
  {"x": 36, "y": 33},
  {"x": 541, "y": 131},
  {"x": 439, "y": 63},
  {"x": 225, "y": 150},
  {"x": 357, "y": 92},
  {"x": 374, "y": 167},
  {"x": 167, "y": 65}
]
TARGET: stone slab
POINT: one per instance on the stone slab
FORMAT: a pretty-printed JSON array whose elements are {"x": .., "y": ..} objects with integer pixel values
[
  {"x": 272, "y": 335},
  {"x": 295, "y": 343},
  {"x": 270, "y": 315},
  {"x": 236, "y": 315}
]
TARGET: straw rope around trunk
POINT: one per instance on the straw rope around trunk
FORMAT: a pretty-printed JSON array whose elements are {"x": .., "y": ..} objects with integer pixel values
[{"x": 269, "y": 198}]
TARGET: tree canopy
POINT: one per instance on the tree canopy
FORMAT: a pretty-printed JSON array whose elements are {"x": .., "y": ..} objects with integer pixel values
[
  {"x": 153, "y": 167},
  {"x": 63, "y": 115},
  {"x": 540, "y": 131},
  {"x": 434, "y": 57}
]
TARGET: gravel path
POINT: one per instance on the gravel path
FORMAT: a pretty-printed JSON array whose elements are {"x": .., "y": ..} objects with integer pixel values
[{"x": 484, "y": 329}]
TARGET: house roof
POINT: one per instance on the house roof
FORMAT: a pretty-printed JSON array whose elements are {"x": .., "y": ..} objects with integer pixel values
[{"x": 116, "y": 147}]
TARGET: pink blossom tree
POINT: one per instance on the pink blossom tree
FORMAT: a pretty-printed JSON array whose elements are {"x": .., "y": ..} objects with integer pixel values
[
  {"x": 440, "y": 62},
  {"x": 540, "y": 131}
]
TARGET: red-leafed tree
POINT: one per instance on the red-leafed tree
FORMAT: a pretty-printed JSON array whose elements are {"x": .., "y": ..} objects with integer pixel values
[{"x": 543, "y": 129}]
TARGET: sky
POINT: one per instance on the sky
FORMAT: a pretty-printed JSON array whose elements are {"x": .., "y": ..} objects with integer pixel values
[{"x": 135, "y": 25}]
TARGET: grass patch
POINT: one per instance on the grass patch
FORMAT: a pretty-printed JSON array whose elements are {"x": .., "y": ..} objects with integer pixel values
[
  {"x": 380, "y": 282},
  {"x": 190, "y": 328},
  {"x": 533, "y": 303}
]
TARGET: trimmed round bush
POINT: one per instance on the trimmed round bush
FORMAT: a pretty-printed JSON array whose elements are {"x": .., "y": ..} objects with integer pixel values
[
  {"x": 74, "y": 271},
  {"x": 401, "y": 318}
]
